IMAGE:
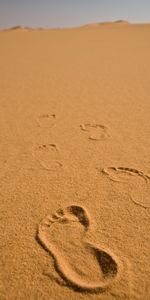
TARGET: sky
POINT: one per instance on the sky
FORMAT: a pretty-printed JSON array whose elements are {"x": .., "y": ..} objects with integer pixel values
[{"x": 69, "y": 13}]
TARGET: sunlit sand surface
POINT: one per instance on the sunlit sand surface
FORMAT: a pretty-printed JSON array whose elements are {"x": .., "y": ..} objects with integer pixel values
[{"x": 75, "y": 162}]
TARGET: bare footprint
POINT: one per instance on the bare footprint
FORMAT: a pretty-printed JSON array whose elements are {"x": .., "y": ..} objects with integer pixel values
[
  {"x": 46, "y": 120},
  {"x": 80, "y": 264},
  {"x": 48, "y": 156},
  {"x": 137, "y": 182},
  {"x": 96, "y": 132}
]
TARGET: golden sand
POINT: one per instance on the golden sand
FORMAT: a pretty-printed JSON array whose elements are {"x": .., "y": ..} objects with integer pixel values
[{"x": 75, "y": 163}]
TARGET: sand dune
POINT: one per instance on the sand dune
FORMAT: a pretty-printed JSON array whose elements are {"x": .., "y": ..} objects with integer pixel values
[
  {"x": 18, "y": 28},
  {"x": 75, "y": 163},
  {"x": 23, "y": 28},
  {"x": 99, "y": 24}
]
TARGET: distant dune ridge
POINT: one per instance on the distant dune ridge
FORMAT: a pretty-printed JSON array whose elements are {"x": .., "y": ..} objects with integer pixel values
[
  {"x": 111, "y": 24},
  {"x": 98, "y": 24},
  {"x": 90, "y": 25},
  {"x": 23, "y": 28},
  {"x": 18, "y": 28}
]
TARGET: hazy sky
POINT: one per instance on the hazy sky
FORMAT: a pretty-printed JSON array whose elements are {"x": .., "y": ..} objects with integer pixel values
[{"x": 64, "y": 13}]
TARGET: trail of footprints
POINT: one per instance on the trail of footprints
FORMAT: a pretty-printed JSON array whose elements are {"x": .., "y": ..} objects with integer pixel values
[
  {"x": 48, "y": 155},
  {"x": 66, "y": 230},
  {"x": 137, "y": 182}
]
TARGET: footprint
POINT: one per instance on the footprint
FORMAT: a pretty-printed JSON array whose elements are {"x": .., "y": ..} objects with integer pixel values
[
  {"x": 46, "y": 120},
  {"x": 48, "y": 156},
  {"x": 96, "y": 132},
  {"x": 137, "y": 182},
  {"x": 80, "y": 264}
]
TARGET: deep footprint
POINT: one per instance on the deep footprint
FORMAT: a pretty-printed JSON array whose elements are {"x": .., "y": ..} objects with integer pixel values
[
  {"x": 83, "y": 266},
  {"x": 96, "y": 132},
  {"x": 137, "y": 182},
  {"x": 48, "y": 156},
  {"x": 46, "y": 120}
]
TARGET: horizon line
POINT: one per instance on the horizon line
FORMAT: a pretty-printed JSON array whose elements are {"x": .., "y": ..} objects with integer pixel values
[{"x": 71, "y": 27}]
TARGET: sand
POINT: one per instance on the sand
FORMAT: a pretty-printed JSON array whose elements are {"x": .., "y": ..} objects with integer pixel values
[{"x": 75, "y": 163}]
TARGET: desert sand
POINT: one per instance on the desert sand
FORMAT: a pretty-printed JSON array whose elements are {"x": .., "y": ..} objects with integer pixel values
[{"x": 75, "y": 163}]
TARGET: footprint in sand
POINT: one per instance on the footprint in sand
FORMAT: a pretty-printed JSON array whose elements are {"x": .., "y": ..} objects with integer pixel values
[
  {"x": 46, "y": 120},
  {"x": 137, "y": 183},
  {"x": 80, "y": 264},
  {"x": 96, "y": 132},
  {"x": 48, "y": 156}
]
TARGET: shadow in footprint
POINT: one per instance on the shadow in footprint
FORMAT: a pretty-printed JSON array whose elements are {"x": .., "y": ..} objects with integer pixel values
[
  {"x": 96, "y": 132},
  {"x": 81, "y": 214},
  {"x": 48, "y": 156},
  {"x": 108, "y": 265},
  {"x": 83, "y": 266},
  {"x": 46, "y": 120},
  {"x": 137, "y": 182}
]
